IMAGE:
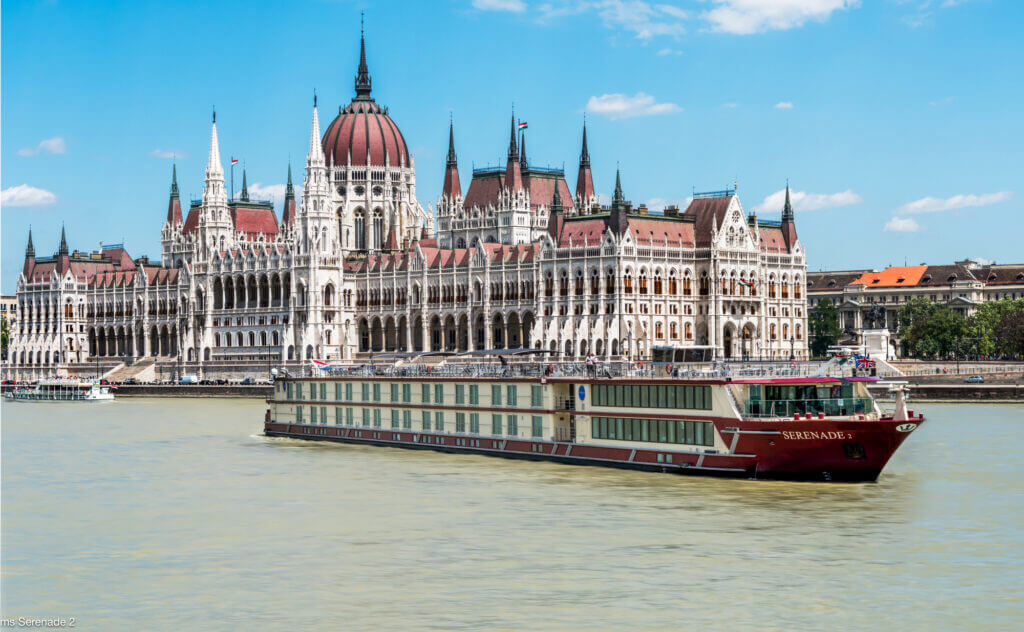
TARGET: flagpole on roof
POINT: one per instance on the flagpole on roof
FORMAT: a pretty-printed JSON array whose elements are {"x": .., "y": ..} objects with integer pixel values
[{"x": 232, "y": 196}]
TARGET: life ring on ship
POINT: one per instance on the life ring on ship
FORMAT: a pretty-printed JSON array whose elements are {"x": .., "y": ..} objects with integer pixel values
[{"x": 668, "y": 369}]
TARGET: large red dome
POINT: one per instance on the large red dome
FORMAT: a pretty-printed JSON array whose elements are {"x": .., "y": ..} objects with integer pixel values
[{"x": 361, "y": 129}]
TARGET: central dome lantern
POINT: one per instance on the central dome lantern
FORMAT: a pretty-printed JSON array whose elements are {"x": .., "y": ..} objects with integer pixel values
[{"x": 363, "y": 133}]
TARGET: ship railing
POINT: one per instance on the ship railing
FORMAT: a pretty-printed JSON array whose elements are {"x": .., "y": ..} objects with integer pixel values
[{"x": 788, "y": 408}]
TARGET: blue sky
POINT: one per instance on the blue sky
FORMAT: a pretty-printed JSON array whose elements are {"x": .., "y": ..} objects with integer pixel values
[{"x": 897, "y": 122}]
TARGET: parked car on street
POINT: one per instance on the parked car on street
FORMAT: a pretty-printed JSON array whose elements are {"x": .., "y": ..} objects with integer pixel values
[
  {"x": 975, "y": 379},
  {"x": 248, "y": 380}
]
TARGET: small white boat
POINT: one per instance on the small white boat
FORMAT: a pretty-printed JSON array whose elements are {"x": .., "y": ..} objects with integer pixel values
[{"x": 63, "y": 391}]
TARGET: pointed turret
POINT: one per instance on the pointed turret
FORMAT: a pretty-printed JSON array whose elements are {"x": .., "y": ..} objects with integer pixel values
[
  {"x": 315, "y": 155},
  {"x": 617, "y": 198},
  {"x": 452, "y": 186},
  {"x": 788, "y": 223},
  {"x": 63, "y": 249},
  {"x": 556, "y": 216},
  {"x": 174, "y": 202},
  {"x": 524, "y": 164},
  {"x": 213, "y": 191},
  {"x": 391, "y": 242},
  {"x": 513, "y": 170},
  {"x": 288, "y": 213},
  {"x": 363, "y": 83},
  {"x": 617, "y": 220},
  {"x": 244, "y": 197},
  {"x": 584, "y": 178},
  {"x": 30, "y": 257},
  {"x": 63, "y": 259}
]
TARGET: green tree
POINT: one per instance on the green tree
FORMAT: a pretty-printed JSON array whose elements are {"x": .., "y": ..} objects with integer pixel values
[
  {"x": 981, "y": 325},
  {"x": 929, "y": 330},
  {"x": 823, "y": 322},
  {"x": 5, "y": 336},
  {"x": 1009, "y": 333}
]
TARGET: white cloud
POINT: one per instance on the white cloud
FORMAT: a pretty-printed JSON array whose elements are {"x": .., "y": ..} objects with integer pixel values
[
  {"x": 499, "y": 5},
  {"x": 902, "y": 225},
  {"x": 803, "y": 201},
  {"x": 622, "y": 106},
  {"x": 659, "y": 204},
  {"x": 167, "y": 153},
  {"x": 25, "y": 195},
  {"x": 935, "y": 205},
  {"x": 273, "y": 192},
  {"x": 53, "y": 145},
  {"x": 743, "y": 17},
  {"x": 635, "y": 16},
  {"x": 669, "y": 51},
  {"x": 783, "y": 105}
]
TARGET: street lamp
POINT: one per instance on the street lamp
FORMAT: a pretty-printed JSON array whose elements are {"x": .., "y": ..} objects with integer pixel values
[{"x": 792, "y": 342}]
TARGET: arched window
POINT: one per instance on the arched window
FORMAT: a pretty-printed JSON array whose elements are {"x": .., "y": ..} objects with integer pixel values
[
  {"x": 657, "y": 282},
  {"x": 627, "y": 283},
  {"x": 799, "y": 333},
  {"x": 785, "y": 331},
  {"x": 673, "y": 329},
  {"x": 378, "y": 229},
  {"x": 549, "y": 285},
  {"x": 563, "y": 284},
  {"x": 689, "y": 331},
  {"x": 642, "y": 282},
  {"x": 609, "y": 282},
  {"x": 673, "y": 285},
  {"x": 771, "y": 332},
  {"x": 360, "y": 220},
  {"x": 658, "y": 332}
]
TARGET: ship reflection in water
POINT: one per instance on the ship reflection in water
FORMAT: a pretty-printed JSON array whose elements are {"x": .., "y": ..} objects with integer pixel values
[{"x": 170, "y": 515}]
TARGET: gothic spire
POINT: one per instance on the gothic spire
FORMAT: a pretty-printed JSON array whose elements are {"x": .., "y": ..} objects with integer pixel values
[
  {"x": 289, "y": 191},
  {"x": 556, "y": 199},
  {"x": 523, "y": 163},
  {"x": 244, "y": 197},
  {"x": 584, "y": 153},
  {"x": 30, "y": 250},
  {"x": 452, "y": 187},
  {"x": 513, "y": 151},
  {"x": 174, "y": 202},
  {"x": 452, "y": 161},
  {"x": 787, "y": 209},
  {"x": 289, "y": 210},
  {"x": 63, "y": 250},
  {"x": 213, "y": 166},
  {"x": 315, "y": 155},
  {"x": 617, "y": 198},
  {"x": 363, "y": 86}
]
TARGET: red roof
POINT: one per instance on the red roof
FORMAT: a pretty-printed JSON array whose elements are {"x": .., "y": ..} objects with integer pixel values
[
  {"x": 191, "y": 220},
  {"x": 706, "y": 213},
  {"x": 254, "y": 221},
  {"x": 484, "y": 189},
  {"x": 660, "y": 231},
  {"x": 899, "y": 276}
]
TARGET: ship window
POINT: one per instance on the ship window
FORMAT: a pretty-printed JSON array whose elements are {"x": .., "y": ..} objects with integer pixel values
[
  {"x": 394, "y": 417},
  {"x": 513, "y": 425},
  {"x": 394, "y": 393},
  {"x": 426, "y": 414},
  {"x": 348, "y": 391},
  {"x": 536, "y": 396},
  {"x": 474, "y": 423},
  {"x": 407, "y": 419},
  {"x": 289, "y": 390},
  {"x": 474, "y": 394},
  {"x": 460, "y": 419},
  {"x": 376, "y": 392},
  {"x": 537, "y": 426},
  {"x": 653, "y": 430},
  {"x": 407, "y": 393},
  {"x": 323, "y": 415},
  {"x": 376, "y": 417},
  {"x": 460, "y": 393},
  {"x": 366, "y": 417},
  {"x": 349, "y": 417},
  {"x": 337, "y": 391},
  {"x": 337, "y": 416},
  {"x": 298, "y": 414},
  {"x": 366, "y": 392},
  {"x": 425, "y": 395},
  {"x": 513, "y": 397},
  {"x": 496, "y": 422},
  {"x": 496, "y": 397},
  {"x": 323, "y": 390},
  {"x": 438, "y": 393},
  {"x": 854, "y": 451},
  {"x": 439, "y": 419}
]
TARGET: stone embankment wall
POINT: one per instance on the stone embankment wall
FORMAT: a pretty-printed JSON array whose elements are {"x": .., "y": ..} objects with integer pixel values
[
  {"x": 256, "y": 391},
  {"x": 958, "y": 392}
]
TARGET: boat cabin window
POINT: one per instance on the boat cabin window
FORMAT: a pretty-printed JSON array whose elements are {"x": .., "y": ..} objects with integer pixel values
[{"x": 786, "y": 400}]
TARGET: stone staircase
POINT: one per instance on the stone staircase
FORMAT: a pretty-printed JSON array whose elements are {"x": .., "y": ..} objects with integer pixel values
[{"x": 143, "y": 371}]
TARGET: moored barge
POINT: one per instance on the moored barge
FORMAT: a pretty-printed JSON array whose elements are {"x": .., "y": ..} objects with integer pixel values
[{"x": 778, "y": 427}]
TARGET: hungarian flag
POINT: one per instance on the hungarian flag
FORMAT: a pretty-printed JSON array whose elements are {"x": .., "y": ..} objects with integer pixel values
[
  {"x": 746, "y": 283},
  {"x": 522, "y": 125},
  {"x": 234, "y": 161}
]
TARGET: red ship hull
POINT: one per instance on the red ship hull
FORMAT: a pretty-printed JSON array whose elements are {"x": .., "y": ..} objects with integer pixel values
[{"x": 804, "y": 449}]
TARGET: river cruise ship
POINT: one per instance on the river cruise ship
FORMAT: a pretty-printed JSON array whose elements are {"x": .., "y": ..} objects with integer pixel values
[
  {"x": 659, "y": 418},
  {"x": 62, "y": 391}
]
